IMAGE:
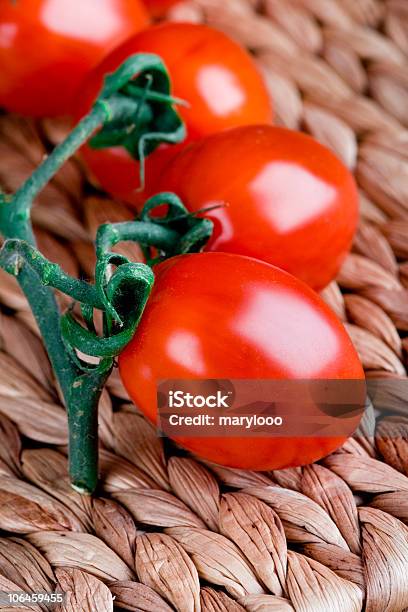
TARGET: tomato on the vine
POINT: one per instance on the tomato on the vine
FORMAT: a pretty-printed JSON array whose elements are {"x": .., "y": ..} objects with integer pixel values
[
  {"x": 215, "y": 76},
  {"x": 48, "y": 46},
  {"x": 284, "y": 198},
  {"x": 224, "y": 316}
]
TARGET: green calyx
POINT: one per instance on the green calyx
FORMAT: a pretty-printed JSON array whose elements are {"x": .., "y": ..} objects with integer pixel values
[
  {"x": 126, "y": 292},
  {"x": 122, "y": 287},
  {"x": 140, "y": 107}
]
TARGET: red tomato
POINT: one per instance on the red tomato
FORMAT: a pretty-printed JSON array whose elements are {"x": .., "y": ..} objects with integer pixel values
[
  {"x": 218, "y": 315},
  {"x": 286, "y": 198},
  {"x": 212, "y": 73},
  {"x": 47, "y": 47},
  {"x": 158, "y": 8}
]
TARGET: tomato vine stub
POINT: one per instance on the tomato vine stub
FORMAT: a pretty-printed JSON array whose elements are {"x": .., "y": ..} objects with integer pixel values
[{"x": 224, "y": 316}]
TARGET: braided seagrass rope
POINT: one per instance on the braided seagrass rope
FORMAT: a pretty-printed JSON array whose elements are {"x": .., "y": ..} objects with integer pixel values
[{"x": 167, "y": 531}]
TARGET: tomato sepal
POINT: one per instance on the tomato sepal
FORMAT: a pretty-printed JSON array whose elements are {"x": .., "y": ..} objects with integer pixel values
[
  {"x": 175, "y": 233},
  {"x": 140, "y": 108},
  {"x": 123, "y": 294}
]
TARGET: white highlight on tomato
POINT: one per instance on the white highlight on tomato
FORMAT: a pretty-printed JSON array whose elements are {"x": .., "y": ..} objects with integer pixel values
[
  {"x": 185, "y": 349},
  {"x": 279, "y": 188},
  {"x": 220, "y": 89},
  {"x": 286, "y": 317},
  {"x": 67, "y": 18},
  {"x": 8, "y": 33}
]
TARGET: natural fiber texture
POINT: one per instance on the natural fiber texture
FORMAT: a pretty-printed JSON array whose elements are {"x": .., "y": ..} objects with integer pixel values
[{"x": 163, "y": 533}]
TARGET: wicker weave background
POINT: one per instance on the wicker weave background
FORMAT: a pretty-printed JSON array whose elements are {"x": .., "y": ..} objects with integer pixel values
[{"x": 163, "y": 532}]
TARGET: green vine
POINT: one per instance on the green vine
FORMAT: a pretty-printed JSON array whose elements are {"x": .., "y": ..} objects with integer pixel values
[{"x": 135, "y": 110}]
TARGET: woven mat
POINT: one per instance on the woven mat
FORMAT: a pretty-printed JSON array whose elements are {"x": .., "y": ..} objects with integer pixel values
[{"x": 166, "y": 531}]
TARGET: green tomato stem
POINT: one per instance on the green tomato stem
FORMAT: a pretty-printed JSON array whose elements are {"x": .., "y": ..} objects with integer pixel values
[
  {"x": 144, "y": 233},
  {"x": 45, "y": 310},
  {"x": 33, "y": 273},
  {"x": 83, "y": 427},
  {"x": 81, "y": 389},
  {"x": 126, "y": 113},
  {"x": 52, "y": 274},
  {"x": 15, "y": 219}
]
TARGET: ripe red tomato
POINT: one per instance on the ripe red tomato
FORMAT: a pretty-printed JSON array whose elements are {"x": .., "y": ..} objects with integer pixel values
[
  {"x": 213, "y": 74},
  {"x": 218, "y": 315},
  {"x": 47, "y": 47},
  {"x": 158, "y": 8},
  {"x": 287, "y": 199}
]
